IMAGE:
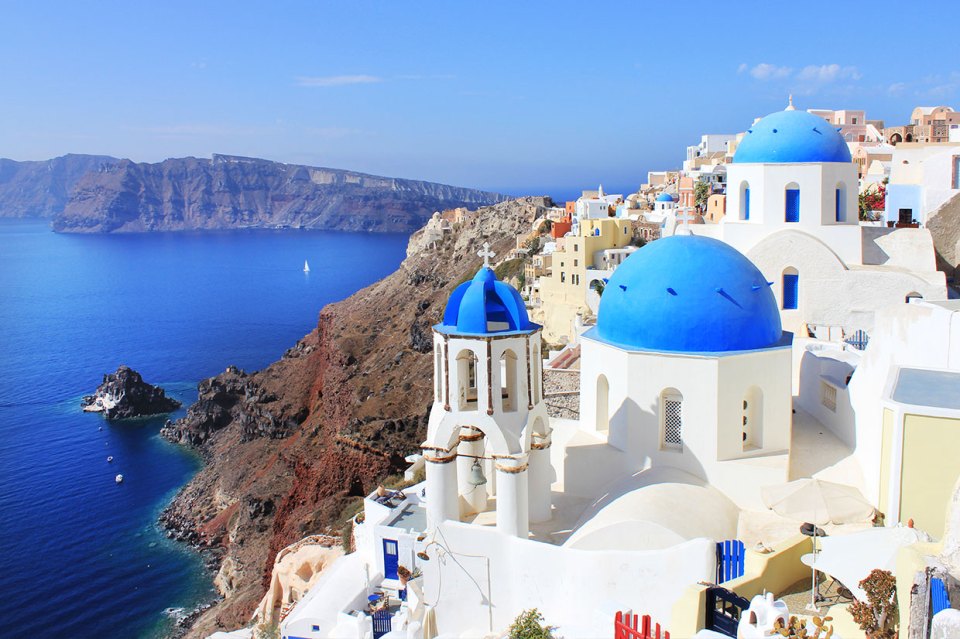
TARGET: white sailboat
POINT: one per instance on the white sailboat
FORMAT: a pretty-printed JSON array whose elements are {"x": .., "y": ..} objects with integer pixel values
[{"x": 306, "y": 266}]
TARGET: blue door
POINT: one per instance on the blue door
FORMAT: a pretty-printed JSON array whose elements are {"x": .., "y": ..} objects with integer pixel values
[
  {"x": 791, "y": 290},
  {"x": 391, "y": 558},
  {"x": 793, "y": 205}
]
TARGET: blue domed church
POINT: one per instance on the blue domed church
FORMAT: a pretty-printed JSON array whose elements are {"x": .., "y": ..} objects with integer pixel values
[{"x": 688, "y": 368}]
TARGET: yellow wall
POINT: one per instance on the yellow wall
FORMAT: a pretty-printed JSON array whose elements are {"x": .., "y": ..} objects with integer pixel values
[
  {"x": 773, "y": 572},
  {"x": 931, "y": 465},
  {"x": 561, "y": 301}
]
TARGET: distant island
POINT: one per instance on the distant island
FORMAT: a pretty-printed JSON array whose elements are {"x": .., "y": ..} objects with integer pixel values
[{"x": 101, "y": 194}]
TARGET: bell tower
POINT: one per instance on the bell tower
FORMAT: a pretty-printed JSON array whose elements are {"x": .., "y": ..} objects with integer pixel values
[{"x": 489, "y": 433}]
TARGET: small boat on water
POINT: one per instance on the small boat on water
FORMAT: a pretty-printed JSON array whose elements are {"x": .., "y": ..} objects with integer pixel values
[
  {"x": 119, "y": 479},
  {"x": 306, "y": 266},
  {"x": 110, "y": 459}
]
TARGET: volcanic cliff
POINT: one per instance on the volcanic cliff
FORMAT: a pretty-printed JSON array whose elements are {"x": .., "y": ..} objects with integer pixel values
[
  {"x": 230, "y": 192},
  {"x": 288, "y": 447}
]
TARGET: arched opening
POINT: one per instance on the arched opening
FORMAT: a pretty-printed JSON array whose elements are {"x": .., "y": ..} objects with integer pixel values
[
  {"x": 913, "y": 295},
  {"x": 839, "y": 202},
  {"x": 603, "y": 404},
  {"x": 896, "y": 138},
  {"x": 438, "y": 380},
  {"x": 909, "y": 137},
  {"x": 744, "y": 200},
  {"x": 508, "y": 381},
  {"x": 305, "y": 572},
  {"x": 791, "y": 202},
  {"x": 790, "y": 295},
  {"x": 752, "y": 435},
  {"x": 467, "y": 380},
  {"x": 536, "y": 372},
  {"x": 671, "y": 419}
]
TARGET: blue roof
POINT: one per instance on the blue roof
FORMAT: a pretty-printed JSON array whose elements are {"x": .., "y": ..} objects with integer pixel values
[
  {"x": 664, "y": 197},
  {"x": 484, "y": 301},
  {"x": 688, "y": 294},
  {"x": 792, "y": 136}
]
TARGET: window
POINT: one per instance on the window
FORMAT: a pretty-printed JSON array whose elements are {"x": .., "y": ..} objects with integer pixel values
[
  {"x": 791, "y": 288},
  {"x": 744, "y": 201},
  {"x": 603, "y": 404},
  {"x": 839, "y": 205},
  {"x": 792, "y": 204},
  {"x": 467, "y": 380},
  {"x": 828, "y": 396},
  {"x": 563, "y": 276},
  {"x": 905, "y": 216},
  {"x": 672, "y": 420},
  {"x": 314, "y": 628},
  {"x": 508, "y": 380},
  {"x": 575, "y": 262}
]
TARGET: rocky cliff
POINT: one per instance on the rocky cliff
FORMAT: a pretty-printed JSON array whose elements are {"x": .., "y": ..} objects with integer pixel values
[
  {"x": 289, "y": 447},
  {"x": 228, "y": 192},
  {"x": 41, "y": 189}
]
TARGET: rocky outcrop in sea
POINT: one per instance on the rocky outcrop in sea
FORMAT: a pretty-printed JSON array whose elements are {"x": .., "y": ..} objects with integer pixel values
[{"x": 124, "y": 394}]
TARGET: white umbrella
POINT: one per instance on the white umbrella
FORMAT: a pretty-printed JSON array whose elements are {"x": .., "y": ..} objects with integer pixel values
[
  {"x": 850, "y": 558},
  {"x": 818, "y": 502}
]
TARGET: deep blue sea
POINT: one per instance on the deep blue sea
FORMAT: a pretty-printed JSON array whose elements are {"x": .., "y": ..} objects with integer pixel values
[{"x": 80, "y": 555}]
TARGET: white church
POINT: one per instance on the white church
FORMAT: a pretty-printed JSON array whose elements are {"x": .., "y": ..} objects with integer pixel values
[{"x": 702, "y": 383}]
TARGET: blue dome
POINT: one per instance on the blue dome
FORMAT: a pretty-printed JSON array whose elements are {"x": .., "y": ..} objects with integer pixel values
[
  {"x": 792, "y": 136},
  {"x": 485, "y": 305},
  {"x": 664, "y": 197},
  {"x": 688, "y": 294}
]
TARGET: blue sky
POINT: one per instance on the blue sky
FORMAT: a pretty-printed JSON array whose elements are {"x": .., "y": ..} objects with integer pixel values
[{"x": 513, "y": 96}]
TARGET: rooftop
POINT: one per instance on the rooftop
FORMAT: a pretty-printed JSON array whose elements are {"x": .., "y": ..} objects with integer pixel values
[{"x": 925, "y": 387}]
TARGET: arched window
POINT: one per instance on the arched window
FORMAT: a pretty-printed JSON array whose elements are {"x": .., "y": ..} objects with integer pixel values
[
  {"x": 603, "y": 404},
  {"x": 671, "y": 419},
  {"x": 912, "y": 296},
  {"x": 792, "y": 203},
  {"x": 839, "y": 202},
  {"x": 508, "y": 381},
  {"x": 467, "y": 380},
  {"x": 744, "y": 201},
  {"x": 752, "y": 436},
  {"x": 791, "y": 288}
]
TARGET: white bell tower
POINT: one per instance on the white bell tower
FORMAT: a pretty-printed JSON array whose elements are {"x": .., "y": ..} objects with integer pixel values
[{"x": 489, "y": 433}]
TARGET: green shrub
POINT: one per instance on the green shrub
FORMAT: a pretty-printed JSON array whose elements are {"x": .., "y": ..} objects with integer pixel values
[{"x": 529, "y": 625}]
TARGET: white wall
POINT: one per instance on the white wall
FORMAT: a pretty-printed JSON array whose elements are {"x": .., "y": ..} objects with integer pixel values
[
  {"x": 575, "y": 589},
  {"x": 918, "y": 334},
  {"x": 713, "y": 389}
]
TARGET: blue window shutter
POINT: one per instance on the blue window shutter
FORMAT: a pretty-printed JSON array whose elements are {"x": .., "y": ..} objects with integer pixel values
[
  {"x": 839, "y": 216},
  {"x": 793, "y": 205},
  {"x": 791, "y": 286},
  {"x": 746, "y": 204}
]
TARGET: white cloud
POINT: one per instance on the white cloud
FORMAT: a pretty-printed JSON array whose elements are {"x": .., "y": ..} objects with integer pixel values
[
  {"x": 826, "y": 73},
  {"x": 897, "y": 88},
  {"x": 743, "y": 67},
  {"x": 336, "y": 80},
  {"x": 765, "y": 71}
]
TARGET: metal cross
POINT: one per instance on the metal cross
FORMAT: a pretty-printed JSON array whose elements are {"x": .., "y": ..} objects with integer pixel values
[{"x": 486, "y": 254}]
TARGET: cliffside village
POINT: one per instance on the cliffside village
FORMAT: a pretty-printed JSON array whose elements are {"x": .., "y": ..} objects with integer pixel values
[{"x": 767, "y": 410}]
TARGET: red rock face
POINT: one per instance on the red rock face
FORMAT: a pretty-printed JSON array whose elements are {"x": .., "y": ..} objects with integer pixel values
[{"x": 288, "y": 447}]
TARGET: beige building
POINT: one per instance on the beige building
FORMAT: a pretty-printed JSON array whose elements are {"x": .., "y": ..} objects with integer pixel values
[
  {"x": 927, "y": 124},
  {"x": 563, "y": 291}
]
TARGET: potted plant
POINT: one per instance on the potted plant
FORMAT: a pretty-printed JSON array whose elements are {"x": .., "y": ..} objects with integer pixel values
[{"x": 878, "y": 616}]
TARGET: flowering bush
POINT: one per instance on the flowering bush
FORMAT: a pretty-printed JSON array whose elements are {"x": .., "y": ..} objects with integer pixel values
[{"x": 872, "y": 199}]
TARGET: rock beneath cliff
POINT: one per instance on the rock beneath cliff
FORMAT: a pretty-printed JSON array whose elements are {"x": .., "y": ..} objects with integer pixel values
[{"x": 124, "y": 394}]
